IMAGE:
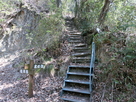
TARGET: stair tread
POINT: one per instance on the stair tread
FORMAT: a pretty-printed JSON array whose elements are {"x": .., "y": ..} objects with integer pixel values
[
  {"x": 80, "y": 48},
  {"x": 75, "y": 33},
  {"x": 75, "y": 73},
  {"x": 76, "y": 66},
  {"x": 77, "y": 81},
  {"x": 86, "y": 64},
  {"x": 75, "y": 30},
  {"x": 74, "y": 38},
  {"x": 80, "y": 45},
  {"x": 75, "y": 41},
  {"x": 81, "y": 54},
  {"x": 76, "y": 90},
  {"x": 78, "y": 37},
  {"x": 81, "y": 58},
  {"x": 76, "y": 97},
  {"x": 73, "y": 100},
  {"x": 77, "y": 50},
  {"x": 81, "y": 62}
]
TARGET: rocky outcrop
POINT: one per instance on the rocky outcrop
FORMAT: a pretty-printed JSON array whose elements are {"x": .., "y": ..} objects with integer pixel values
[{"x": 14, "y": 31}]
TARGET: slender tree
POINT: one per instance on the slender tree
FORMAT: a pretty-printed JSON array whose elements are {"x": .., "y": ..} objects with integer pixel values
[
  {"x": 104, "y": 11},
  {"x": 58, "y": 3}
]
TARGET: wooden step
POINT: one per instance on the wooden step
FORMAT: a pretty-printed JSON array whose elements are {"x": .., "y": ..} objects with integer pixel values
[
  {"x": 71, "y": 100},
  {"x": 81, "y": 59},
  {"x": 76, "y": 100},
  {"x": 80, "y": 45},
  {"x": 81, "y": 49},
  {"x": 75, "y": 41},
  {"x": 76, "y": 90},
  {"x": 76, "y": 97},
  {"x": 75, "y": 33},
  {"x": 76, "y": 66},
  {"x": 81, "y": 54},
  {"x": 80, "y": 62},
  {"x": 77, "y": 81},
  {"x": 79, "y": 78},
  {"x": 82, "y": 74},
  {"x": 74, "y": 38},
  {"x": 79, "y": 70}
]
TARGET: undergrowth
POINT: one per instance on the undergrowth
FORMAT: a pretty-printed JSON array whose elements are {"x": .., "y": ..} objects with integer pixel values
[{"x": 117, "y": 65}]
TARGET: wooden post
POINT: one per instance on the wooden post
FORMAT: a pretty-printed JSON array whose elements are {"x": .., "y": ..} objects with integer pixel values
[
  {"x": 31, "y": 79},
  {"x": 26, "y": 66}
]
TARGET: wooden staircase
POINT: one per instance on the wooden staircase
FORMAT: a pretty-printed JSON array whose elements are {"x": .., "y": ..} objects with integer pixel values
[{"x": 77, "y": 85}]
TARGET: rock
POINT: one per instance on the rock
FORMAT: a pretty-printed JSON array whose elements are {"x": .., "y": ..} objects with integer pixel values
[{"x": 15, "y": 35}]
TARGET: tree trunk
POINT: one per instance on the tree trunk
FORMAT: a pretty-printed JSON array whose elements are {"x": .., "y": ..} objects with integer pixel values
[
  {"x": 104, "y": 12},
  {"x": 58, "y": 3},
  {"x": 76, "y": 9}
]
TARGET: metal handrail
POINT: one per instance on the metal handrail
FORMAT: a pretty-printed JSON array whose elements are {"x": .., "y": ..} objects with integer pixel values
[
  {"x": 92, "y": 56},
  {"x": 92, "y": 65}
]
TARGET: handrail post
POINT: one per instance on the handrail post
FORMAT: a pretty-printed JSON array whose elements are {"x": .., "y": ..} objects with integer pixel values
[{"x": 92, "y": 65}]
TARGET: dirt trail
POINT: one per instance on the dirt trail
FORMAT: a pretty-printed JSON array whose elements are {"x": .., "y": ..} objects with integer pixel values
[{"x": 14, "y": 85}]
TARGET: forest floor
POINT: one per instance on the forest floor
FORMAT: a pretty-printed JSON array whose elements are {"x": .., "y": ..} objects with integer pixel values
[{"x": 14, "y": 85}]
